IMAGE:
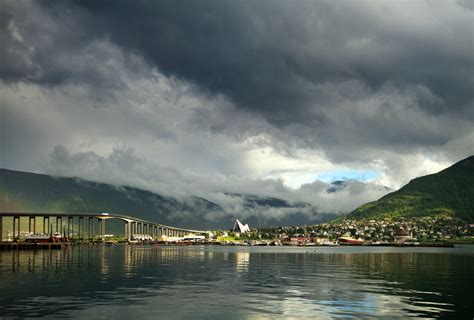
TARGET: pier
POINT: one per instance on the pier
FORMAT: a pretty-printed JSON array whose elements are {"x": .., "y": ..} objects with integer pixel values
[{"x": 31, "y": 246}]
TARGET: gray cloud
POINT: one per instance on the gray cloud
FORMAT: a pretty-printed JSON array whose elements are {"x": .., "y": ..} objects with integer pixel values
[
  {"x": 122, "y": 166},
  {"x": 237, "y": 96},
  {"x": 304, "y": 67}
]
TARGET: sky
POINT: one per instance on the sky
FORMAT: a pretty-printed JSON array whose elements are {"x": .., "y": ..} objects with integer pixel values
[{"x": 273, "y": 98}]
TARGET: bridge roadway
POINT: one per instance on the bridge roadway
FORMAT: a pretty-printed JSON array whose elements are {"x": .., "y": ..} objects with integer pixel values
[{"x": 132, "y": 225}]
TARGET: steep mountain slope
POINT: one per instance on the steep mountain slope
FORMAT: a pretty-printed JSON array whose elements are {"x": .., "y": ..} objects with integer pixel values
[
  {"x": 22, "y": 191},
  {"x": 450, "y": 191}
]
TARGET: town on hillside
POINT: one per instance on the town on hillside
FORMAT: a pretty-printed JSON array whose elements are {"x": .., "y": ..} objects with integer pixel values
[{"x": 404, "y": 231}]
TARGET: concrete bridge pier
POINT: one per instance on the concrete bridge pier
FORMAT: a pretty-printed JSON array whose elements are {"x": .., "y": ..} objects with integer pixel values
[
  {"x": 90, "y": 229},
  {"x": 132, "y": 229},
  {"x": 45, "y": 224},
  {"x": 59, "y": 224},
  {"x": 101, "y": 228},
  {"x": 80, "y": 228},
  {"x": 1, "y": 229},
  {"x": 31, "y": 223},
  {"x": 127, "y": 230},
  {"x": 70, "y": 223},
  {"x": 16, "y": 229}
]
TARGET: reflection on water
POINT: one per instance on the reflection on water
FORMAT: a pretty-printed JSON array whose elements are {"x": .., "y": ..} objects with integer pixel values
[{"x": 236, "y": 282}]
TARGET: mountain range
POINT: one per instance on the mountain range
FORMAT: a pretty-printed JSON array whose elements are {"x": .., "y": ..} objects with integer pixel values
[
  {"x": 24, "y": 191},
  {"x": 449, "y": 192}
]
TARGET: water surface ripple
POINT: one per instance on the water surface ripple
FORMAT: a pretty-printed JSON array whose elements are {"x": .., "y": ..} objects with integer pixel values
[{"x": 148, "y": 282}]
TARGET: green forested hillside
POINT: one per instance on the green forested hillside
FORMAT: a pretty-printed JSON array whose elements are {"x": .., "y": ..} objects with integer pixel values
[
  {"x": 449, "y": 192},
  {"x": 30, "y": 192},
  {"x": 24, "y": 191}
]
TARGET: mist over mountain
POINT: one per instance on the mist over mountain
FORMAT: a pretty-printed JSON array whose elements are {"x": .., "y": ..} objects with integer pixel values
[{"x": 22, "y": 191}]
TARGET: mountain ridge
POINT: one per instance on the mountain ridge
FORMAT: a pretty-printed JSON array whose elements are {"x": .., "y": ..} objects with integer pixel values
[
  {"x": 447, "y": 192},
  {"x": 35, "y": 192}
]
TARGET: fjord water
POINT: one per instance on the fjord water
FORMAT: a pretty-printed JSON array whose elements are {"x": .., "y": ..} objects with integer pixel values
[{"x": 150, "y": 282}]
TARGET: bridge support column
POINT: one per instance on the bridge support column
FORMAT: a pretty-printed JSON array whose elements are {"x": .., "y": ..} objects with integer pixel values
[
  {"x": 16, "y": 225},
  {"x": 101, "y": 228},
  {"x": 1, "y": 229},
  {"x": 59, "y": 224},
  {"x": 70, "y": 223},
  {"x": 127, "y": 231},
  {"x": 45, "y": 225},
  {"x": 90, "y": 230},
  {"x": 29, "y": 224},
  {"x": 80, "y": 228}
]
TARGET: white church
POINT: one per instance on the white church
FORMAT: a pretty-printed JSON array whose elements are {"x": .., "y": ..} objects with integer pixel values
[{"x": 240, "y": 227}]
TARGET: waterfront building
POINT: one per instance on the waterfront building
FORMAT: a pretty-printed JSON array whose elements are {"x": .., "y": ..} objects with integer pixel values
[{"x": 401, "y": 236}]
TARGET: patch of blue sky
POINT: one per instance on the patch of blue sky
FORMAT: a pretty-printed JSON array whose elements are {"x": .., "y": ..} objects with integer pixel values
[{"x": 360, "y": 175}]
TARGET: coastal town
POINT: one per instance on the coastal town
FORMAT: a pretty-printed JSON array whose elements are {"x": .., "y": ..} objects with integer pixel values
[{"x": 440, "y": 229}]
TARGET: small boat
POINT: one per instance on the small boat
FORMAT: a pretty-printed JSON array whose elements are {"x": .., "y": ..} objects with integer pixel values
[
  {"x": 328, "y": 243},
  {"x": 45, "y": 238},
  {"x": 343, "y": 241},
  {"x": 38, "y": 238},
  {"x": 306, "y": 244}
]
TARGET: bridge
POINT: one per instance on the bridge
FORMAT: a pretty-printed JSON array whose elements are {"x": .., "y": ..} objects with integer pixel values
[{"x": 90, "y": 225}]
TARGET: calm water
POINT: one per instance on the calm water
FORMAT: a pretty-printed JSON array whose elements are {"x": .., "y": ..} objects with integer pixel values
[{"x": 139, "y": 282}]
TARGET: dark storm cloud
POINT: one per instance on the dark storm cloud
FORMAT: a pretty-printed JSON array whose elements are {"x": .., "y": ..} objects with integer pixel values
[
  {"x": 268, "y": 56},
  {"x": 305, "y": 66}
]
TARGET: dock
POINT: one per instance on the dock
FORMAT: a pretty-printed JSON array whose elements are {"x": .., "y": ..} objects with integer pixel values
[{"x": 31, "y": 246}]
